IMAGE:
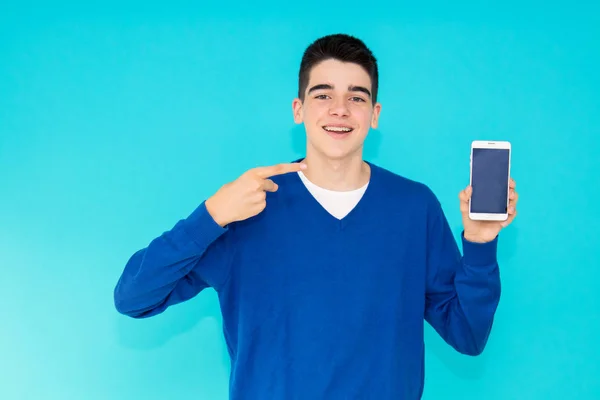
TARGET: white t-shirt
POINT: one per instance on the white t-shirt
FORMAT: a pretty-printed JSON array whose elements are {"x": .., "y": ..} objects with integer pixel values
[{"x": 337, "y": 203}]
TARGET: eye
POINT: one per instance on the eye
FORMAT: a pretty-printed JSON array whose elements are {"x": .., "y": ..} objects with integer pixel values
[
  {"x": 321, "y": 96},
  {"x": 359, "y": 99}
]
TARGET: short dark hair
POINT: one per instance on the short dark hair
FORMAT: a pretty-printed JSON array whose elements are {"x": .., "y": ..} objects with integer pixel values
[{"x": 340, "y": 47}]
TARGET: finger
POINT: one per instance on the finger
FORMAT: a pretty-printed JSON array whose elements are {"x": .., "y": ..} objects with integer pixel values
[
  {"x": 509, "y": 220},
  {"x": 511, "y": 216},
  {"x": 512, "y": 183},
  {"x": 464, "y": 207},
  {"x": 269, "y": 186},
  {"x": 279, "y": 169},
  {"x": 465, "y": 195},
  {"x": 512, "y": 203}
]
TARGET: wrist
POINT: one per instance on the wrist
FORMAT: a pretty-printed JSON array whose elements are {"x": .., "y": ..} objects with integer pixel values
[
  {"x": 215, "y": 212},
  {"x": 474, "y": 238},
  {"x": 479, "y": 236}
]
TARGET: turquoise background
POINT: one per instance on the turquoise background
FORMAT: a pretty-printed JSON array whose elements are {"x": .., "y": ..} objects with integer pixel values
[{"x": 117, "y": 121}]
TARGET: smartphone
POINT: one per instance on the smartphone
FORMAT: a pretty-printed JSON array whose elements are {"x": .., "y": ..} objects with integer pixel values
[{"x": 490, "y": 176}]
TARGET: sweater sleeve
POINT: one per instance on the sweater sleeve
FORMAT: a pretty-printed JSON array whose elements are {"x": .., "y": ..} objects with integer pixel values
[
  {"x": 195, "y": 254},
  {"x": 462, "y": 292}
]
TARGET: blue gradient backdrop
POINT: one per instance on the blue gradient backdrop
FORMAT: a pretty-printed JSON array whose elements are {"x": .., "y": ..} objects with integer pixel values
[{"x": 116, "y": 121}]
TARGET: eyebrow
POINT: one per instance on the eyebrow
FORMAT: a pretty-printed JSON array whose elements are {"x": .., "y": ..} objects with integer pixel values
[{"x": 352, "y": 88}]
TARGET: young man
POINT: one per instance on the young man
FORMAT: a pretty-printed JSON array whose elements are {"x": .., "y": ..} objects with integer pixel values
[{"x": 327, "y": 267}]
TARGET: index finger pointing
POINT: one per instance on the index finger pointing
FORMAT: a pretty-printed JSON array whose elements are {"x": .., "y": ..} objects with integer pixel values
[{"x": 279, "y": 169}]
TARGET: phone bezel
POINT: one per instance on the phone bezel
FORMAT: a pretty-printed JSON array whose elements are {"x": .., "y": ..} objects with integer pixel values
[{"x": 490, "y": 144}]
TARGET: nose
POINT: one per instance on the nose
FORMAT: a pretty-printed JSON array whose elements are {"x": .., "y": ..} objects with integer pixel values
[{"x": 339, "y": 108}]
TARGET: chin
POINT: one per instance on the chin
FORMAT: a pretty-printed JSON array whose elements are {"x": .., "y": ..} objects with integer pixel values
[{"x": 337, "y": 153}]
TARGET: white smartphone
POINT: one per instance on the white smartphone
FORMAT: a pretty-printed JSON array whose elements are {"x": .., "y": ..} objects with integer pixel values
[{"x": 490, "y": 176}]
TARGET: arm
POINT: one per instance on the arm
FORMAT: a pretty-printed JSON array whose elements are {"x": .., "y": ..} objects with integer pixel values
[
  {"x": 462, "y": 291},
  {"x": 195, "y": 254},
  {"x": 198, "y": 251}
]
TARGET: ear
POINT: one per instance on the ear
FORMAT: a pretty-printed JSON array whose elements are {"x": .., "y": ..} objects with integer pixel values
[
  {"x": 375, "y": 116},
  {"x": 297, "y": 110}
]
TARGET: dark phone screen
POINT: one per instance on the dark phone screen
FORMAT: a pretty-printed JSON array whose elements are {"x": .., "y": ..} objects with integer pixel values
[{"x": 490, "y": 180}]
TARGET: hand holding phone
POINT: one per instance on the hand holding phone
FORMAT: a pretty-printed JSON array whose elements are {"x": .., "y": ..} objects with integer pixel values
[{"x": 488, "y": 204}]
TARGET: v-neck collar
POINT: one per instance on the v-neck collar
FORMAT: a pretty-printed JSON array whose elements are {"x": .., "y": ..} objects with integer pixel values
[{"x": 322, "y": 214}]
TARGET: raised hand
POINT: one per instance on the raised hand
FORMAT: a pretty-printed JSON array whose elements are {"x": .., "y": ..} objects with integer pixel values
[
  {"x": 246, "y": 196},
  {"x": 486, "y": 231}
]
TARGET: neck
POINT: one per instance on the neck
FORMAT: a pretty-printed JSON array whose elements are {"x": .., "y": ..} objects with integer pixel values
[{"x": 337, "y": 174}]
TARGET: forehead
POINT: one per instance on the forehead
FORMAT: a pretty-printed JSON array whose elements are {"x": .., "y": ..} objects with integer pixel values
[{"x": 340, "y": 74}]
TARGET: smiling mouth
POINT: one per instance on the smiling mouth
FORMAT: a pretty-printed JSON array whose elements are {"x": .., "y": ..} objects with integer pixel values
[{"x": 338, "y": 129}]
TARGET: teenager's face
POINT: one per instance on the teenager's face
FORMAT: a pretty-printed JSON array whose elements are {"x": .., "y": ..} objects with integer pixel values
[{"x": 337, "y": 110}]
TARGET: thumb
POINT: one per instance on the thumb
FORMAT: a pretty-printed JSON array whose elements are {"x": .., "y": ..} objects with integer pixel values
[
  {"x": 269, "y": 186},
  {"x": 465, "y": 196}
]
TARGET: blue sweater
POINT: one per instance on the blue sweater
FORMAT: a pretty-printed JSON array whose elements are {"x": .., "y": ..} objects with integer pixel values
[{"x": 320, "y": 308}]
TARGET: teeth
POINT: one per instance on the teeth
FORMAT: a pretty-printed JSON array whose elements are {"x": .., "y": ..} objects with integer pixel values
[{"x": 337, "y": 129}]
